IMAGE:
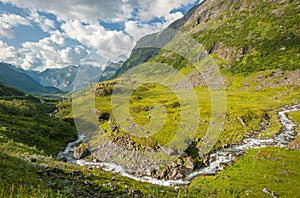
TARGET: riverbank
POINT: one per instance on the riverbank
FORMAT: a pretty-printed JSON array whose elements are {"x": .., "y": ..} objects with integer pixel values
[{"x": 217, "y": 160}]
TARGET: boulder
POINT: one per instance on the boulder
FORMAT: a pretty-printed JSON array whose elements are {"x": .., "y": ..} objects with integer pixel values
[
  {"x": 178, "y": 176},
  {"x": 113, "y": 128},
  {"x": 174, "y": 173},
  {"x": 190, "y": 163},
  {"x": 163, "y": 174},
  {"x": 81, "y": 152}
]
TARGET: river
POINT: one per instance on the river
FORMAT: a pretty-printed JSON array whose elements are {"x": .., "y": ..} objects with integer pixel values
[{"x": 218, "y": 160}]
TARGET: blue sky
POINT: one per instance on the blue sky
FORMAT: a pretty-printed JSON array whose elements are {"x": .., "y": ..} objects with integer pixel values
[{"x": 45, "y": 34}]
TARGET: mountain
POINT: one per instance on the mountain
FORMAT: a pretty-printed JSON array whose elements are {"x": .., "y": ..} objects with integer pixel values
[
  {"x": 246, "y": 36},
  {"x": 64, "y": 78},
  {"x": 142, "y": 52},
  {"x": 22, "y": 81}
]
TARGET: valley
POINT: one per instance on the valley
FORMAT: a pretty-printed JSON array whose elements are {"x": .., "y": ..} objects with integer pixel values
[{"x": 207, "y": 107}]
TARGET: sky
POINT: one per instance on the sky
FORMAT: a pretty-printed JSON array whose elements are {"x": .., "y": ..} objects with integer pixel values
[{"x": 41, "y": 34}]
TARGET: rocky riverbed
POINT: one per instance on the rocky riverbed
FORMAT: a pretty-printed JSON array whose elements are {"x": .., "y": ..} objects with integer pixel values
[{"x": 214, "y": 162}]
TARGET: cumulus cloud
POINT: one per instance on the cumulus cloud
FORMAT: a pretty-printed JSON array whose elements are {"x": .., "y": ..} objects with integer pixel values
[
  {"x": 107, "y": 43},
  {"x": 79, "y": 21},
  {"x": 138, "y": 29},
  {"x": 9, "y": 53},
  {"x": 73, "y": 55},
  {"x": 44, "y": 23},
  {"x": 157, "y": 8},
  {"x": 8, "y": 21},
  {"x": 51, "y": 52}
]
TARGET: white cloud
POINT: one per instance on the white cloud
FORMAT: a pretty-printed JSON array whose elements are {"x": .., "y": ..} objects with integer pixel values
[
  {"x": 51, "y": 52},
  {"x": 73, "y": 55},
  {"x": 13, "y": 19},
  {"x": 158, "y": 8},
  {"x": 45, "y": 23},
  {"x": 8, "y": 21},
  {"x": 109, "y": 44},
  {"x": 80, "y": 21},
  {"x": 137, "y": 29},
  {"x": 9, "y": 53}
]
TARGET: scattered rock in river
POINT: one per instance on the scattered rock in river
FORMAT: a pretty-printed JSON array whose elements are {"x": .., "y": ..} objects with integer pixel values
[
  {"x": 150, "y": 171},
  {"x": 81, "y": 152}
]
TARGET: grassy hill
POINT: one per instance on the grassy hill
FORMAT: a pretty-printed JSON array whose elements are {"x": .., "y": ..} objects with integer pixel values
[{"x": 247, "y": 35}]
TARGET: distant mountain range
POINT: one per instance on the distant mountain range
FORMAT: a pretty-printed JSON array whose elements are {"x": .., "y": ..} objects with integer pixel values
[
  {"x": 11, "y": 76},
  {"x": 52, "y": 81}
]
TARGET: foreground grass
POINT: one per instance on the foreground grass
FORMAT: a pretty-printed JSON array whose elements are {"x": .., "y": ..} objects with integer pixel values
[{"x": 272, "y": 168}]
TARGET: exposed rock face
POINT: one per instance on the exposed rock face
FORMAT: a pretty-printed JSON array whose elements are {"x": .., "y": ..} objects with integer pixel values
[
  {"x": 81, "y": 152},
  {"x": 101, "y": 92}
]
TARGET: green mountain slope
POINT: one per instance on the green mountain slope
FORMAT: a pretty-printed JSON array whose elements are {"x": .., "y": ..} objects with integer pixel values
[
  {"x": 22, "y": 81},
  {"x": 10, "y": 91},
  {"x": 247, "y": 35}
]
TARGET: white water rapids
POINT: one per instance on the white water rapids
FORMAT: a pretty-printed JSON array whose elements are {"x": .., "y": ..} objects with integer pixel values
[{"x": 217, "y": 160}]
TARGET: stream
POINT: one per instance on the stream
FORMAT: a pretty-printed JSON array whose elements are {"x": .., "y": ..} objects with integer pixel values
[{"x": 218, "y": 160}]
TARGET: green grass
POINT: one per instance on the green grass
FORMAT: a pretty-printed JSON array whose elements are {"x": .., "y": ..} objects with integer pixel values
[
  {"x": 251, "y": 104},
  {"x": 272, "y": 168},
  {"x": 269, "y": 41}
]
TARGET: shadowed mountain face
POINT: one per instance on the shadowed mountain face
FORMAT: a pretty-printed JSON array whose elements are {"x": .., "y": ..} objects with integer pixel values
[
  {"x": 62, "y": 79},
  {"x": 22, "y": 81}
]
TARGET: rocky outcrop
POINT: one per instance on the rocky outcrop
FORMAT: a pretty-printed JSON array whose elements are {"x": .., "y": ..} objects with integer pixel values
[{"x": 192, "y": 80}]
